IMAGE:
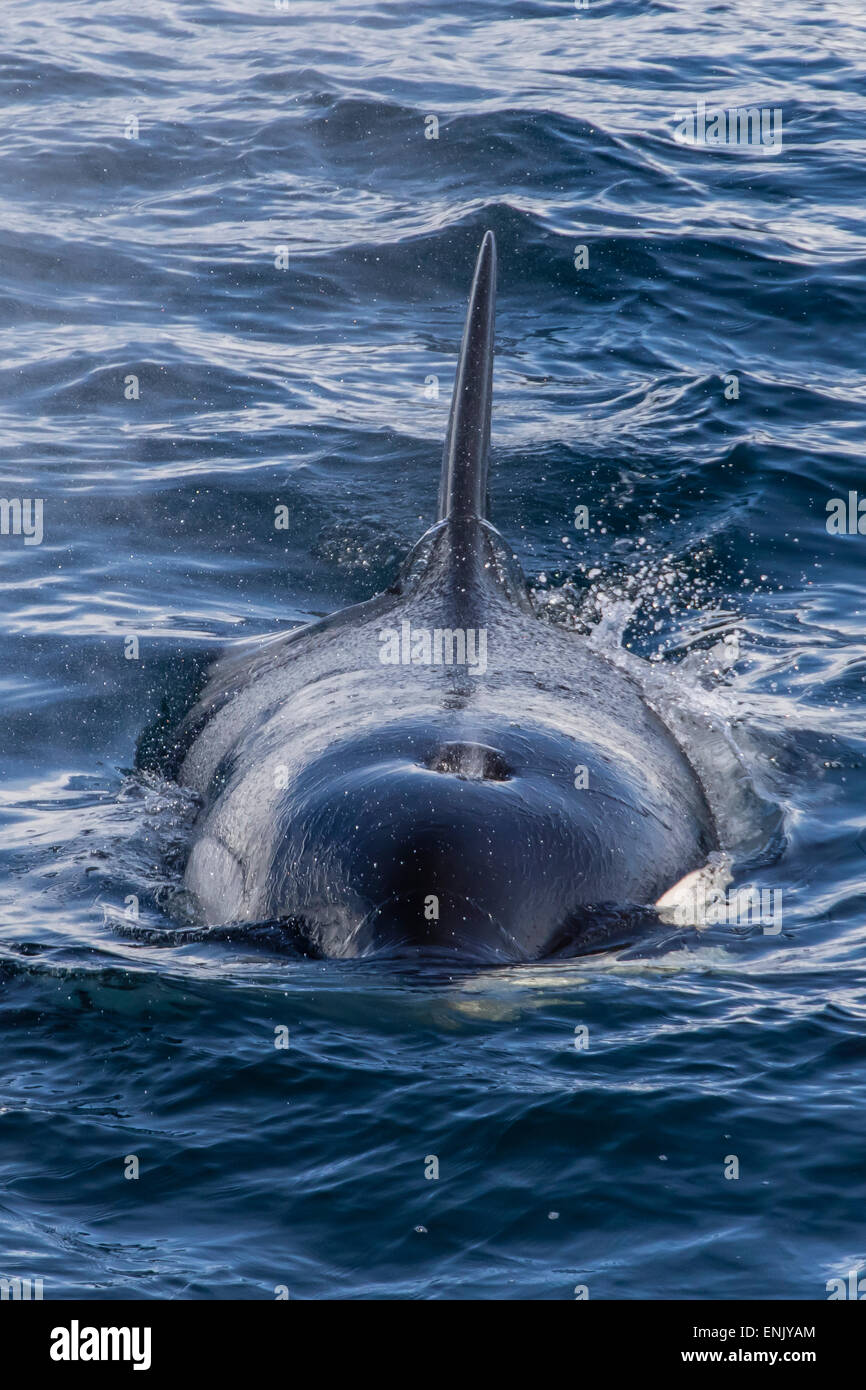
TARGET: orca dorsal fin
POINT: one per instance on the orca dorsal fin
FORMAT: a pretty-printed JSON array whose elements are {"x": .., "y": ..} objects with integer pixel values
[{"x": 463, "y": 485}]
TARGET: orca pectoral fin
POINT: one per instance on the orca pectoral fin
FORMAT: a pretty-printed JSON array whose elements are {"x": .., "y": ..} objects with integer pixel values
[
  {"x": 604, "y": 927},
  {"x": 283, "y": 936}
]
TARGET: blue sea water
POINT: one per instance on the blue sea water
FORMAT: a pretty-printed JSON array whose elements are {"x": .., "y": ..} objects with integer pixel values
[{"x": 155, "y": 159}]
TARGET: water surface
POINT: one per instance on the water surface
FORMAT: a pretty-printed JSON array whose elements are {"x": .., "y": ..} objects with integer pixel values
[{"x": 153, "y": 254}]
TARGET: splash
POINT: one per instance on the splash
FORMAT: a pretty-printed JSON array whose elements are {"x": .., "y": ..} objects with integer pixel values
[{"x": 696, "y": 696}]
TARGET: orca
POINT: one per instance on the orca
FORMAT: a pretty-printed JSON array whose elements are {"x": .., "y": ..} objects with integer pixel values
[{"x": 438, "y": 770}]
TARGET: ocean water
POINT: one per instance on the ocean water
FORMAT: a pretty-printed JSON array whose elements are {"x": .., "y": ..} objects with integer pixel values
[{"x": 695, "y": 378}]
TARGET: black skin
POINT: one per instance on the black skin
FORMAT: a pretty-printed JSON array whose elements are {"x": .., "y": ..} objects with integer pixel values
[{"x": 490, "y": 815}]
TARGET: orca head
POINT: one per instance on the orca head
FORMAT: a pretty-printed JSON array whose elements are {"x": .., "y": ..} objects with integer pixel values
[{"x": 452, "y": 838}]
